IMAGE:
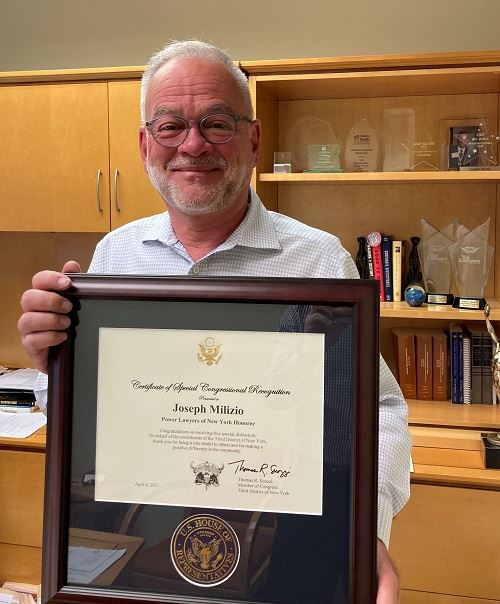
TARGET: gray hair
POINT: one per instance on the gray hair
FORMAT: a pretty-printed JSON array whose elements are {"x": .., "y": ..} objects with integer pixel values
[{"x": 194, "y": 49}]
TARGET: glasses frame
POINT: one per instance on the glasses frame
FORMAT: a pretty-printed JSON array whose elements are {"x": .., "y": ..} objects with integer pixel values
[{"x": 190, "y": 123}]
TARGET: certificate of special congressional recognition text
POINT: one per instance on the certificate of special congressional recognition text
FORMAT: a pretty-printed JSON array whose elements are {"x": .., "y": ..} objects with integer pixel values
[{"x": 215, "y": 419}]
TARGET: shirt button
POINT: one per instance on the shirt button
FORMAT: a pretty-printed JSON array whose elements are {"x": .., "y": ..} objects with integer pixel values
[{"x": 196, "y": 270}]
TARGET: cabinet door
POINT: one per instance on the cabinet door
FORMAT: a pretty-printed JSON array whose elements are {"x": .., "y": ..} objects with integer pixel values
[
  {"x": 55, "y": 141},
  {"x": 132, "y": 194}
]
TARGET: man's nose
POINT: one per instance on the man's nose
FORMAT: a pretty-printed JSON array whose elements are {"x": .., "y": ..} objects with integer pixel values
[{"x": 194, "y": 144}]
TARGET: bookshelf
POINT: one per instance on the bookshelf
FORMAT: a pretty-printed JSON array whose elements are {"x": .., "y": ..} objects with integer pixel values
[{"x": 339, "y": 91}]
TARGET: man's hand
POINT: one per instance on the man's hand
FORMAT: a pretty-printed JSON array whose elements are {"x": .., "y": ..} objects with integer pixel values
[
  {"x": 388, "y": 580},
  {"x": 44, "y": 319}
]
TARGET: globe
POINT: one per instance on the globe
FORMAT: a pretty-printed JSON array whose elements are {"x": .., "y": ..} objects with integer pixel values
[{"x": 415, "y": 295}]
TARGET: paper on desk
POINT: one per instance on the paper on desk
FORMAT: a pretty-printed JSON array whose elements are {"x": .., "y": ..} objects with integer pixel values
[
  {"x": 6, "y": 598},
  {"x": 19, "y": 379},
  {"x": 86, "y": 563},
  {"x": 20, "y": 425}
]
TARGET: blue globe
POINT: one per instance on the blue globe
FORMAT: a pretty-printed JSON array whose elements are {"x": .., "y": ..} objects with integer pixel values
[{"x": 415, "y": 295}]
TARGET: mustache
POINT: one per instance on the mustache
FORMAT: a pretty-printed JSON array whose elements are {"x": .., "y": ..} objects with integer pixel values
[{"x": 205, "y": 162}]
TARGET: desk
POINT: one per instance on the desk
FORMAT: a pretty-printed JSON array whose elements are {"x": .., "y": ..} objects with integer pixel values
[
  {"x": 102, "y": 540},
  {"x": 22, "y": 469}
]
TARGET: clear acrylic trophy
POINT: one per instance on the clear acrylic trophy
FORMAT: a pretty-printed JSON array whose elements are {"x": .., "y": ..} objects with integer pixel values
[
  {"x": 436, "y": 265},
  {"x": 362, "y": 148},
  {"x": 399, "y": 130},
  {"x": 471, "y": 258}
]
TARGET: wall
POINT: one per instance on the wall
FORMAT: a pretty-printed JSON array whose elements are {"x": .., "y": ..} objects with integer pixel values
[{"x": 52, "y": 34}]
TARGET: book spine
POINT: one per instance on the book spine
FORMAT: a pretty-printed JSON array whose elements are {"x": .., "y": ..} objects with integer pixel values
[
  {"x": 397, "y": 264},
  {"x": 370, "y": 261},
  {"x": 404, "y": 343},
  {"x": 378, "y": 271},
  {"x": 455, "y": 364},
  {"x": 466, "y": 369},
  {"x": 423, "y": 345},
  {"x": 487, "y": 381},
  {"x": 387, "y": 267},
  {"x": 460, "y": 367},
  {"x": 476, "y": 377},
  {"x": 439, "y": 366}
]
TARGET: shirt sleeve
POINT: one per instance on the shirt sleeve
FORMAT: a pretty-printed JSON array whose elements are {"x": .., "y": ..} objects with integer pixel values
[{"x": 394, "y": 436}]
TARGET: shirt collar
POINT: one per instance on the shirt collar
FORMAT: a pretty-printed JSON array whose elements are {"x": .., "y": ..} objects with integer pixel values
[{"x": 255, "y": 230}]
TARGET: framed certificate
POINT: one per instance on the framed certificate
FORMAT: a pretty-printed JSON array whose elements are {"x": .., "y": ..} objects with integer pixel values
[{"x": 213, "y": 440}]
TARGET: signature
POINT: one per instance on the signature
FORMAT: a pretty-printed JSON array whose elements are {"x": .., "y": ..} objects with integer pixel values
[{"x": 265, "y": 469}]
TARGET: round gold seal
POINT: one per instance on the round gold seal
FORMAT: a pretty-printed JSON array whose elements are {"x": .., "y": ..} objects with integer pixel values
[{"x": 205, "y": 550}]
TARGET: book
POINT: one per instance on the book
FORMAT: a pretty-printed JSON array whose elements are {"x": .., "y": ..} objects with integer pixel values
[
  {"x": 423, "y": 351},
  {"x": 387, "y": 267},
  {"x": 374, "y": 241},
  {"x": 439, "y": 365},
  {"x": 369, "y": 260},
  {"x": 456, "y": 350},
  {"x": 466, "y": 397},
  {"x": 487, "y": 373},
  {"x": 404, "y": 346},
  {"x": 397, "y": 268}
]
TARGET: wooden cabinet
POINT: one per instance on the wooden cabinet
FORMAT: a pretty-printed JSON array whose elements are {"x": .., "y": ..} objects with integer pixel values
[
  {"x": 443, "y": 541},
  {"x": 55, "y": 164},
  {"x": 72, "y": 160},
  {"x": 21, "y": 493},
  {"x": 132, "y": 195}
]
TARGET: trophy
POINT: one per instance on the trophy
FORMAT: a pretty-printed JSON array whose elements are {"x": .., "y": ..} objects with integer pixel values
[
  {"x": 362, "y": 148},
  {"x": 436, "y": 266},
  {"x": 323, "y": 158},
  {"x": 471, "y": 258},
  {"x": 282, "y": 162},
  {"x": 424, "y": 152},
  {"x": 399, "y": 129}
]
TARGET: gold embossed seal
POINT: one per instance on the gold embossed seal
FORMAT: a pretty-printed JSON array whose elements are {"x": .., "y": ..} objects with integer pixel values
[{"x": 205, "y": 550}]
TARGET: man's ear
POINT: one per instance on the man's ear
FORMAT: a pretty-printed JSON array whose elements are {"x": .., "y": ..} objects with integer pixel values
[
  {"x": 143, "y": 147},
  {"x": 255, "y": 138}
]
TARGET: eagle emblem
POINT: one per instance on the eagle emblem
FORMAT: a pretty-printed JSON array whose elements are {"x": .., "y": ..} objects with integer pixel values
[
  {"x": 205, "y": 554},
  {"x": 205, "y": 550},
  {"x": 209, "y": 351},
  {"x": 207, "y": 474}
]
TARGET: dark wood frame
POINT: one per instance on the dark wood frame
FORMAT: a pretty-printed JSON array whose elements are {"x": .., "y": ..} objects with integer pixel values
[{"x": 361, "y": 295}]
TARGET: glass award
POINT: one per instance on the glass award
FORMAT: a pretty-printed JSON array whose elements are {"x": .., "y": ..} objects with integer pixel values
[
  {"x": 436, "y": 266},
  {"x": 483, "y": 149},
  {"x": 308, "y": 131},
  {"x": 323, "y": 158},
  {"x": 471, "y": 258},
  {"x": 424, "y": 152},
  {"x": 362, "y": 148},
  {"x": 282, "y": 162},
  {"x": 399, "y": 131}
]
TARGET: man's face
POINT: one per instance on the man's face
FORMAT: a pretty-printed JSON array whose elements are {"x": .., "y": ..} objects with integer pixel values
[
  {"x": 199, "y": 177},
  {"x": 462, "y": 139}
]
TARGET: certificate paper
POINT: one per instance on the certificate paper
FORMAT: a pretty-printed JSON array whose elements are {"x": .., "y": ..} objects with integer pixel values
[{"x": 215, "y": 419}]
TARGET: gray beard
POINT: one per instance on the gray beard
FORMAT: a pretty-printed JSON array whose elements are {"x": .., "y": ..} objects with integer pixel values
[{"x": 214, "y": 198}]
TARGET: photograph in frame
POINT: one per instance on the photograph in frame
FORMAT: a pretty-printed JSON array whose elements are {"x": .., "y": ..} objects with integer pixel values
[{"x": 213, "y": 440}]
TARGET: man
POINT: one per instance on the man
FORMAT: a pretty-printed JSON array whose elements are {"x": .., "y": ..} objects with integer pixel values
[
  {"x": 462, "y": 152},
  {"x": 199, "y": 144}
]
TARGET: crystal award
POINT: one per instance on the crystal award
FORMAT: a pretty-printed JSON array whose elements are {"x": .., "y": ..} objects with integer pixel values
[
  {"x": 362, "y": 148},
  {"x": 323, "y": 158},
  {"x": 436, "y": 266},
  {"x": 399, "y": 133},
  {"x": 471, "y": 258}
]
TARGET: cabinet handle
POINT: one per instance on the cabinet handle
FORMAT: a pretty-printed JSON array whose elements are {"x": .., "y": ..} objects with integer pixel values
[
  {"x": 117, "y": 205},
  {"x": 98, "y": 191}
]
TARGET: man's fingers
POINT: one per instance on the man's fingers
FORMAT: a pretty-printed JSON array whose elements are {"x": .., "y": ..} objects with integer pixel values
[
  {"x": 44, "y": 301},
  {"x": 71, "y": 267},
  {"x": 35, "y": 322},
  {"x": 51, "y": 280},
  {"x": 37, "y": 346}
]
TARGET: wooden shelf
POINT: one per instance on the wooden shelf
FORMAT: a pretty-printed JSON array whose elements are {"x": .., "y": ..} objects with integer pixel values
[
  {"x": 401, "y": 310},
  {"x": 445, "y": 414},
  {"x": 357, "y": 178},
  {"x": 450, "y": 476}
]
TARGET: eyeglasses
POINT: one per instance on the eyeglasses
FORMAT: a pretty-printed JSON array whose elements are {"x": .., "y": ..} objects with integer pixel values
[{"x": 218, "y": 128}]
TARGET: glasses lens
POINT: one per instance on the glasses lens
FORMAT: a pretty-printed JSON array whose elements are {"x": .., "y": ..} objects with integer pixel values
[
  {"x": 170, "y": 131},
  {"x": 218, "y": 128}
]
